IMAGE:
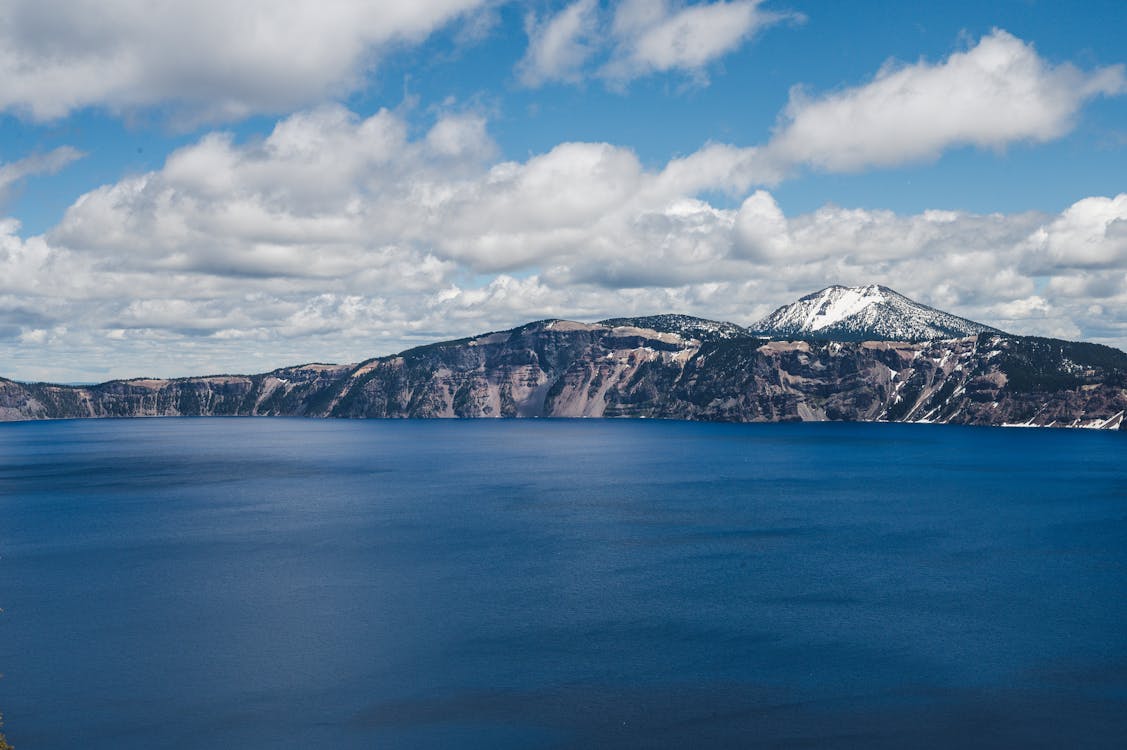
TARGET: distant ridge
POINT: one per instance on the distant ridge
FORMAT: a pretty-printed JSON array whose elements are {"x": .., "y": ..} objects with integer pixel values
[
  {"x": 827, "y": 362},
  {"x": 864, "y": 313},
  {"x": 683, "y": 325}
]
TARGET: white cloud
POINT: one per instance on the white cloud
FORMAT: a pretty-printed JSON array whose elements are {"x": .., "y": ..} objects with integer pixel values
[
  {"x": 560, "y": 46},
  {"x": 656, "y": 36},
  {"x": 761, "y": 228},
  {"x": 339, "y": 237},
  {"x": 27, "y": 266},
  {"x": 213, "y": 59},
  {"x": 1023, "y": 308},
  {"x": 640, "y": 38},
  {"x": 48, "y": 163},
  {"x": 460, "y": 136},
  {"x": 994, "y": 94},
  {"x": 329, "y": 193},
  {"x": 1092, "y": 233}
]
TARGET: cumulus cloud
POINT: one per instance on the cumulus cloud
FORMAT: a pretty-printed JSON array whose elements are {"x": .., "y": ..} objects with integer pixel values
[
  {"x": 339, "y": 237},
  {"x": 657, "y": 36},
  {"x": 559, "y": 47},
  {"x": 1092, "y": 233},
  {"x": 48, "y": 163},
  {"x": 213, "y": 59},
  {"x": 328, "y": 192},
  {"x": 640, "y": 38},
  {"x": 996, "y": 93}
]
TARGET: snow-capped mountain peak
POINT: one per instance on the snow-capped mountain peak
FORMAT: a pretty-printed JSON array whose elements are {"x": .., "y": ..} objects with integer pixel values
[
  {"x": 864, "y": 313},
  {"x": 837, "y": 303}
]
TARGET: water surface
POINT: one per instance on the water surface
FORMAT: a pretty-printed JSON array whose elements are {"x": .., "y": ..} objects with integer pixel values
[{"x": 258, "y": 583}]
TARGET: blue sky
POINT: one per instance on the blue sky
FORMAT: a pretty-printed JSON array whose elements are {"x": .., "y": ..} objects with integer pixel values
[{"x": 190, "y": 189}]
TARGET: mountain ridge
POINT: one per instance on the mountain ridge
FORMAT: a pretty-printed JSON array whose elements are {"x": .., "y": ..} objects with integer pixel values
[
  {"x": 594, "y": 371},
  {"x": 686, "y": 325},
  {"x": 663, "y": 366}
]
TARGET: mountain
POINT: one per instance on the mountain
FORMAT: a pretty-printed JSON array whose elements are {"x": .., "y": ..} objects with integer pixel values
[
  {"x": 559, "y": 368},
  {"x": 683, "y": 325},
  {"x": 863, "y": 313}
]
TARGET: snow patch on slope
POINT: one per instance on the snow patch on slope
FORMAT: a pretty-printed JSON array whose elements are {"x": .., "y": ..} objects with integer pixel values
[
  {"x": 840, "y": 304},
  {"x": 868, "y": 313}
]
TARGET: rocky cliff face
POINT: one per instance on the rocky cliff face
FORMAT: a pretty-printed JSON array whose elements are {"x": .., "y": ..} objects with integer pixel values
[
  {"x": 565, "y": 369},
  {"x": 289, "y": 391}
]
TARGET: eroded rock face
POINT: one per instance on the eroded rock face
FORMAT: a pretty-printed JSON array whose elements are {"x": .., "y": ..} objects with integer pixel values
[
  {"x": 565, "y": 369},
  {"x": 289, "y": 391}
]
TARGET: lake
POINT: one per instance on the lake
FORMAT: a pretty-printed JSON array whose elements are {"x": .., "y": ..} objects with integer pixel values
[{"x": 265, "y": 583}]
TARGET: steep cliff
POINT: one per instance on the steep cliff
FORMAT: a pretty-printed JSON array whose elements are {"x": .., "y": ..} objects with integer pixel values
[
  {"x": 288, "y": 391},
  {"x": 564, "y": 369}
]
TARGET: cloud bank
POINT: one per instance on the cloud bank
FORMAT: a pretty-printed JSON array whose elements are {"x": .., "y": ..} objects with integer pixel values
[
  {"x": 210, "y": 59},
  {"x": 338, "y": 237}
]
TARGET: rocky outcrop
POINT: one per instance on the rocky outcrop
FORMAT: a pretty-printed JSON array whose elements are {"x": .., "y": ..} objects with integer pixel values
[{"x": 565, "y": 369}]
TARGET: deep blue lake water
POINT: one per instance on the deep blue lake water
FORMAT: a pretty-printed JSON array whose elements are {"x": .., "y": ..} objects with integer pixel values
[{"x": 265, "y": 583}]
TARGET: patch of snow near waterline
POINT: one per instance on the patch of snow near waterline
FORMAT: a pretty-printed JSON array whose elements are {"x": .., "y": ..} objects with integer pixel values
[
  {"x": 1105, "y": 424},
  {"x": 1110, "y": 423},
  {"x": 926, "y": 418}
]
